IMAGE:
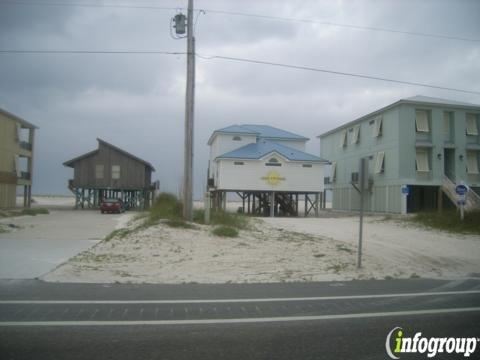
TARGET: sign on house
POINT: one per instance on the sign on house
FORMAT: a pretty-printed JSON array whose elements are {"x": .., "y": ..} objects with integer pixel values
[{"x": 273, "y": 178}]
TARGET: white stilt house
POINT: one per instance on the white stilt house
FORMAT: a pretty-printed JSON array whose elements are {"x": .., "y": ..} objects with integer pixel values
[{"x": 267, "y": 167}]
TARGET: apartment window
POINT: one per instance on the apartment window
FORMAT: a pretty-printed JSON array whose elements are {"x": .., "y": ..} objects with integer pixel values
[
  {"x": 115, "y": 172},
  {"x": 380, "y": 162},
  {"x": 421, "y": 160},
  {"x": 307, "y": 165},
  {"x": 472, "y": 162},
  {"x": 447, "y": 116},
  {"x": 377, "y": 127},
  {"x": 237, "y": 138},
  {"x": 273, "y": 162},
  {"x": 355, "y": 134},
  {"x": 472, "y": 128},
  {"x": 99, "y": 171},
  {"x": 343, "y": 138},
  {"x": 421, "y": 121},
  {"x": 238, "y": 163},
  {"x": 334, "y": 171}
]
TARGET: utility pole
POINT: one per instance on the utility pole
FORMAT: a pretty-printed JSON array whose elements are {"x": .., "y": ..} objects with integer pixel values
[
  {"x": 363, "y": 177},
  {"x": 189, "y": 113}
]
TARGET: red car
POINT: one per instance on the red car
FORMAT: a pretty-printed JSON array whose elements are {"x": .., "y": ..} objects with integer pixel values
[{"x": 112, "y": 205}]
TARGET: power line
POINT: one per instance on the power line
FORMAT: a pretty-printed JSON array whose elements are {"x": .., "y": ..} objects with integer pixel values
[
  {"x": 299, "y": 67},
  {"x": 153, "y": 52},
  {"x": 245, "y": 60},
  {"x": 259, "y": 16},
  {"x": 36, "y": 3},
  {"x": 371, "y": 28}
]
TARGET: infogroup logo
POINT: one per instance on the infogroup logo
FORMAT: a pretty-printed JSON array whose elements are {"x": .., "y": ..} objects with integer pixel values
[{"x": 400, "y": 344}]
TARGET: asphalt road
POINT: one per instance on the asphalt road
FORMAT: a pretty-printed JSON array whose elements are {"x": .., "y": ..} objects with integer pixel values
[{"x": 335, "y": 320}]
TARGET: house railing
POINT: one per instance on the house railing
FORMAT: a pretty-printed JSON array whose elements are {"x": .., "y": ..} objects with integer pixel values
[
  {"x": 472, "y": 198},
  {"x": 26, "y": 145}
]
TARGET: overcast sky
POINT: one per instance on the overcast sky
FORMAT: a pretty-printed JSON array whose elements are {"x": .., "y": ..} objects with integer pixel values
[{"x": 137, "y": 101}]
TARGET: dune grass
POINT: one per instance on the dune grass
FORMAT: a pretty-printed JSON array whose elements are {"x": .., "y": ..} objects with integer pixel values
[
  {"x": 26, "y": 211},
  {"x": 234, "y": 220},
  {"x": 449, "y": 221}
]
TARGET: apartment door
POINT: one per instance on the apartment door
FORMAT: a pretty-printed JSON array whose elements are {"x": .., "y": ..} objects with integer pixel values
[{"x": 449, "y": 163}]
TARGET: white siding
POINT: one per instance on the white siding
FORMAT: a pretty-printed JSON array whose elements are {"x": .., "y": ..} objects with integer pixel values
[
  {"x": 224, "y": 143},
  {"x": 250, "y": 176}
]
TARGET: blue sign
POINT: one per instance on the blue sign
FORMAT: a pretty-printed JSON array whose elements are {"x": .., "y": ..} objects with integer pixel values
[
  {"x": 461, "y": 189},
  {"x": 406, "y": 190}
]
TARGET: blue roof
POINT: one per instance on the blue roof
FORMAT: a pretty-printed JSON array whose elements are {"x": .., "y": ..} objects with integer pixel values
[
  {"x": 263, "y": 131},
  {"x": 267, "y": 131},
  {"x": 236, "y": 129},
  {"x": 264, "y": 147}
]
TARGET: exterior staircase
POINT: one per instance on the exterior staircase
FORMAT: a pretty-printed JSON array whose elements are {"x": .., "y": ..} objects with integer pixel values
[{"x": 472, "y": 199}]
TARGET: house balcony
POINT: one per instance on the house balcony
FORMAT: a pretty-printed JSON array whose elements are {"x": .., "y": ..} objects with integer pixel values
[
  {"x": 24, "y": 178},
  {"x": 25, "y": 149}
]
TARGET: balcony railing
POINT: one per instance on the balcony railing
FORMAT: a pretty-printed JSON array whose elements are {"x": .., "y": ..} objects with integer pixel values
[
  {"x": 25, "y": 175},
  {"x": 26, "y": 145}
]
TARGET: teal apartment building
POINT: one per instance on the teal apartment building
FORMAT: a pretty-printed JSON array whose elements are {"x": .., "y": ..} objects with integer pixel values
[{"x": 425, "y": 143}]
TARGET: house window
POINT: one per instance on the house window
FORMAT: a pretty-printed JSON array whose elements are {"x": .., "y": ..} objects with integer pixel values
[
  {"x": 16, "y": 166},
  {"x": 377, "y": 127},
  {"x": 472, "y": 162},
  {"x": 307, "y": 165},
  {"x": 99, "y": 170},
  {"x": 447, "y": 116},
  {"x": 334, "y": 171},
  {"x": 472, "y": 128},
  {"x": 273, "y": 162},
  {"x": 238, "y": 163},
  {"x": 343, "y": 138},
  {"x": 355, "y": 134},
  {"x": 18, "y": 130},
  {"x": 115, "y": 172},
  {"x": 421, "y": 121},
  {"x": 421, "y": 160},
  {"x": 237, "y": 138},
  {"x": 380, "y": 162}
]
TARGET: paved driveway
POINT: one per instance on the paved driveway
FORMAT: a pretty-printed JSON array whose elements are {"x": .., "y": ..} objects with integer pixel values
[{"x": 37, "y": 244}]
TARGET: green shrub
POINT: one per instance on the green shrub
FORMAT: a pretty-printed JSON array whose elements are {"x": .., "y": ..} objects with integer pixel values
[
  {"x": 166, "y": 206},
  {"x": 237, "y": 221},
  {"x": 199, "y": 216},
  {"x": 225, "y": 231}
]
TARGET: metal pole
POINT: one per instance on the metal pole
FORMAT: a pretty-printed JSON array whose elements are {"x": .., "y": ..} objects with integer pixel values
[
  {"x": 272, "y": 204},
  {"x": 363, "y": 174},
  {"x": 189, "y": 108},
  {"x": 207, "y": 207}
]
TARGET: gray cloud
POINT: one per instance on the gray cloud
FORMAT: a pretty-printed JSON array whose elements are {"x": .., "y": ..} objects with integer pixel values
[{"x": 136, "y": 101}]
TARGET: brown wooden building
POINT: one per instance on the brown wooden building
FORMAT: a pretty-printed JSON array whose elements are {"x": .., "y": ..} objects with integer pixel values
[{"x": 110, "y": 172}]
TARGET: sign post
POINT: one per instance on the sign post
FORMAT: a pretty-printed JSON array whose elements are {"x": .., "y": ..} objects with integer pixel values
[{"x": 461, "y": 190}]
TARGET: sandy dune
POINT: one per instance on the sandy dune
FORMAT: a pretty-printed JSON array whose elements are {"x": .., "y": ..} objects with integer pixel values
[{"x": 275, "y": 250}]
